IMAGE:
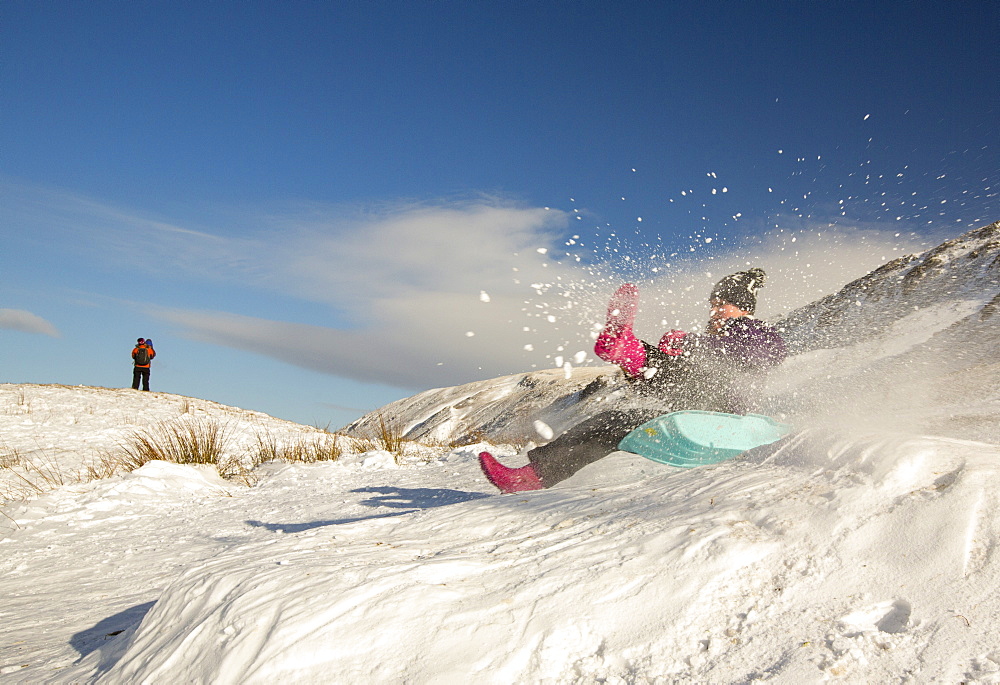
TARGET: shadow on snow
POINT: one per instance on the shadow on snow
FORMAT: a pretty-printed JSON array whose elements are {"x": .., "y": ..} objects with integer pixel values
[
  {"x": 407, "y": 500},
  {"x": 86, "y": 641}
]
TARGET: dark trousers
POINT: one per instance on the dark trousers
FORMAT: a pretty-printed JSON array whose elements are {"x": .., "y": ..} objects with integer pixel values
[
  {"x": 140, "y": 373},
  {"x": 676, "y": 384},
  {"x": 585, "y": 443}
]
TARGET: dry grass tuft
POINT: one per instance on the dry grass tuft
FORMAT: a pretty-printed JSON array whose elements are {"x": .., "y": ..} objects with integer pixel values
[
  {"x": 108, "y": 464},
  {"x": 321, "y": 448},
  {"x": 181, "y": 442},
  {"x": 33, "y": 475},
  {"x": 10, "y": 457},
  {"x": 387, "y": 436}
]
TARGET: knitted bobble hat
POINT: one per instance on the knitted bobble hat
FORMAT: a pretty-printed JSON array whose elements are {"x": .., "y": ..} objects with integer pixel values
[{"x": 740, "y": 289}]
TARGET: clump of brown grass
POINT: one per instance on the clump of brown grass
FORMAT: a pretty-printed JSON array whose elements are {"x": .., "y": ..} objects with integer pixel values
[
  {"x": 181, "y": 442},
  {"x": 388, "y": 436},
  {"x": 328, "y": 447},
  {"x": 33, "y": 475},
  {"x": 22, "y": 404},
  {"x": 107, "y": 465},
  {"x": 10, "y": 457}
]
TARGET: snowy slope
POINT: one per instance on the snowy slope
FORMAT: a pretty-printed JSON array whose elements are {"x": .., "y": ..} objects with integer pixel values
[
  {"x": 861, "y": 549},
  {"x": 51, "y": 434},
  {"x": 500, "y": 409},
  {"x": 915, "y": 343},
  {"x": 864, "y": 558}
]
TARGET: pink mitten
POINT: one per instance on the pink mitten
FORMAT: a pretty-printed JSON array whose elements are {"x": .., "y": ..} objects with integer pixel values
[
  {"x": 670, "y": 343},
  {"x": 617, "y": 344}
]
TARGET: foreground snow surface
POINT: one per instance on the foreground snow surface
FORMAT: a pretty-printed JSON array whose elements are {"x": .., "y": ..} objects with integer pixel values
[{"x": 834, "y": 555}]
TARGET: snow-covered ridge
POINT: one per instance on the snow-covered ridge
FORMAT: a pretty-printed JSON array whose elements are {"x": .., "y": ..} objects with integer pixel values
[
  {"x": 501, "y": 409},
  {"x": 963, "y": 269}
]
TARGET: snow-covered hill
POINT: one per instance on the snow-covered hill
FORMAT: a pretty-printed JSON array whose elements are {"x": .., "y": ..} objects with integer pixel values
[
  {"x": 55, "y": 434},
  {"x": 915, "y": 344},
  {"x": 862, "y": 549}
]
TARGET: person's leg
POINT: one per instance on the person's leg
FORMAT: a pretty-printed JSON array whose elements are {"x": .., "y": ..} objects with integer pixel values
[
  {"x": 584, "y": 444},
  {"x": 135, "y": 377},
  {"x": 145, "y": 379}
]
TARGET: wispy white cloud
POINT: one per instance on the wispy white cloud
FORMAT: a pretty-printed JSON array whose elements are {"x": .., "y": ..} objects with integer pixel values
[
  {"x": 437, "y": 293},
  {"x": 410, "y": 280},
  {"x": 20, "y": 320},
  {"x": 443, "y": 297}
]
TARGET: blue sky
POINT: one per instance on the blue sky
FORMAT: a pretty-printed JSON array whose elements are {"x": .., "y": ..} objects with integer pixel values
[{"x": 316, "y": 208}]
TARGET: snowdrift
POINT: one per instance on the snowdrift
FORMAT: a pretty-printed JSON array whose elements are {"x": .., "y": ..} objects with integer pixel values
[{"x": 862, "y": 558}]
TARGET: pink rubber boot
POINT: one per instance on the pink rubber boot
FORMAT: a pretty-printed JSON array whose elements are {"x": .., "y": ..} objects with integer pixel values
[
  {"x": 508, "y": 479},
  {"x": 617, "y": 343}
]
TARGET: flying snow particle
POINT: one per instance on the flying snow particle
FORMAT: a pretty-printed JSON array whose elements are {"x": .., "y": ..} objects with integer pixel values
[
  {"x": 484, "y": 296},
  {"x": 866, "y": 117},
  {"x": 544, "y": 430},
  {"x": 542, "y": 250},
  {"x": 579, "y": 357},
  {"x": 469, "y": 334},
  {"x": 529, "y": 347}
]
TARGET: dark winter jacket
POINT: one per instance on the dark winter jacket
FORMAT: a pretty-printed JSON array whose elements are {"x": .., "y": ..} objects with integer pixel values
[
  {"x": 746, "y": 343},
  {"x": 713, "y": 371},
  {"x": 152, "y": 353}
]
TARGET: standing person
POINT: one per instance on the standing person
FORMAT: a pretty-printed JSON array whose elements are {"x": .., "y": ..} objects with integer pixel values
[
  {"x": 142, "y": 355},
  {"x": 716, "y": 371}
]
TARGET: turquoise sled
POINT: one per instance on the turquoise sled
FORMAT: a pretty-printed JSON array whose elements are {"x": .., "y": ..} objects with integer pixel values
[{"x": 695, "y": 438}]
